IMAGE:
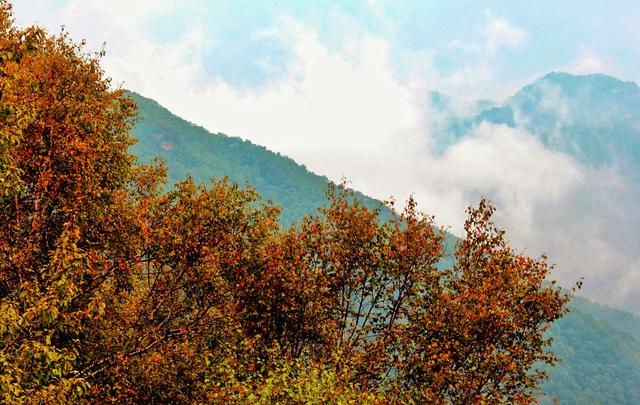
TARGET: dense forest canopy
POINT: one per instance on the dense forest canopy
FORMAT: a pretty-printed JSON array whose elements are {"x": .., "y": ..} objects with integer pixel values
[{"x": 113, "y": 289}]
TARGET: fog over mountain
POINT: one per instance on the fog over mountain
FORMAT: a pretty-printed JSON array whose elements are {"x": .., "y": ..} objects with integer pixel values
[
  {"x": 559, "y": 158},
  {"x": 580, "y": 139}
]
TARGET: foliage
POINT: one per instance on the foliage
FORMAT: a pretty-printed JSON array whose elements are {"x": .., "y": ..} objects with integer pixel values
[
  {"x": 291, "y": 381},
  {"x": 477, "y": 336},
  {"x": 600, "y": 352},
  {"x": 115, "y": 290},
  {"x": 64, "y": 166}
]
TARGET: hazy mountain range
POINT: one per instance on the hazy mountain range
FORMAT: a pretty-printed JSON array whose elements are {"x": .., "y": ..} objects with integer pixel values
[
  {"x": 594, "y": 120},
  {"x": 585, "y": 214}
]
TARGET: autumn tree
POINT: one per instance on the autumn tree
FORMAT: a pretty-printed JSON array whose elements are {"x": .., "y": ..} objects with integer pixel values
[
  {"x": 375, "y": 270},
  {"x": 116, "y": 288},
  {"x": 106, "y": 282},
  {"x": 64, "y": 138},
  {"x": 479, "y": 336}
]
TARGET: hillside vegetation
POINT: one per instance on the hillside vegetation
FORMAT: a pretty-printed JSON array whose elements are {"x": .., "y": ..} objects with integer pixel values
[
  {"x": 191, "y": 150},
  {"x": 598, "y": 345}
]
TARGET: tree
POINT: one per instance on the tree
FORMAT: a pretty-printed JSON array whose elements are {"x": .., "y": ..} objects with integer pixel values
[
  {"x": 64, "y": 169},
  {"x": 479, "y": 335},
  {"x": 113, "y": 289}
]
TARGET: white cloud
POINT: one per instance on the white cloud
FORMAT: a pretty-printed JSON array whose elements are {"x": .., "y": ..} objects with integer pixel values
[
  {"x": 501, "y": 33},
  {"x": 327, "y": 98},
  {"x": 476, "y": 70},
  {"x": 507, "y": 165},
  {"x": 587, "y": 62},
  {"x": 591, "y": 232},
  {"x": 511, "y": 167}
]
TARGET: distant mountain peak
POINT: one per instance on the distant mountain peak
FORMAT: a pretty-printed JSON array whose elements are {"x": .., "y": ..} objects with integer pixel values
[{"x": 596, "y": 81}]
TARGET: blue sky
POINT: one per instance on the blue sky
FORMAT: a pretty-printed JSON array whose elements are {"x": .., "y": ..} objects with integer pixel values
[
  {"x": 433, "y": 38},
  {"x": 342, "y": 87}
]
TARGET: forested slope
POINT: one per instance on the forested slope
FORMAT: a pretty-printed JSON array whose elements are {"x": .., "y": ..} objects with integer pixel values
[
  {"x": 189, "y": 149},
  {"x": 600, "y": 351}
]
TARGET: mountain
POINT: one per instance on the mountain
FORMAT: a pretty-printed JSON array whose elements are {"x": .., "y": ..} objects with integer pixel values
[
  {"x": 592, "y": 124},
  {"x": 189, "y": 149},
  {"x": 593, "y": 118},
  {"x": 600, "y": 351},
  {"x": 600, "y": 345}
]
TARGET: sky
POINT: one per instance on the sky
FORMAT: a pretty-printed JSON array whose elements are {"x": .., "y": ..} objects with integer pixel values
[{"x": 343, "y": 86}]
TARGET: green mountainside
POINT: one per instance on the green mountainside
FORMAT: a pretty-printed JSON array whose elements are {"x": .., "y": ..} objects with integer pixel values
[
  {"x": 600, "y": 346},
  {"x": 600, "y": 351},
  {"x": 191, "y": 150},
  {"x": 594, "y": 118}
]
